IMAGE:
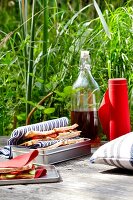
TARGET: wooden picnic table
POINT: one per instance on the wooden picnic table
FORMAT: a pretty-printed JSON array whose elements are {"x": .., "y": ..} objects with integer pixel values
[{"x": 80, "y": 180}]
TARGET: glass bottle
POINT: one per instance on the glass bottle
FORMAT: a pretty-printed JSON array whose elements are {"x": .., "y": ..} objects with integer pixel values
[{"x": 85, "y": 101}]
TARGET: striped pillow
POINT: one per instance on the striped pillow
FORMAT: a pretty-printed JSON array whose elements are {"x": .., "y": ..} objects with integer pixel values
[{"x": 118, "y": 152}]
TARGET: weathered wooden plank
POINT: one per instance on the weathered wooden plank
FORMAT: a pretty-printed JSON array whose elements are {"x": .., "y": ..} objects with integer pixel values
[{"x": 81, "y": 180}]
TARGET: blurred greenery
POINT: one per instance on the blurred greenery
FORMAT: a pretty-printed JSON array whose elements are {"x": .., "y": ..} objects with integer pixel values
[{"x": 72, "y": 26}]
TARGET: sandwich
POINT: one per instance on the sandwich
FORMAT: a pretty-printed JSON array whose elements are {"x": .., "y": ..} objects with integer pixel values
[
  {"x": 25, "y": 172},
  {"x": 29, "y": 171},
  {"x": 21, "y": 167},
  {"x": 59, "y": 134}
]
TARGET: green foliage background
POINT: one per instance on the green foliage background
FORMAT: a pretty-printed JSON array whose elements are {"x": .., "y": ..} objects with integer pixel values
[{"x": 72, "y": 26}]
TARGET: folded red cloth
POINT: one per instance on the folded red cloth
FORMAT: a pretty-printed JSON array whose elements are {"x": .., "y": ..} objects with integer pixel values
[
  {"x": 40, "y": 171},
  {"x": 114, "y": 112},
  {"x": 19, "y": 161}
]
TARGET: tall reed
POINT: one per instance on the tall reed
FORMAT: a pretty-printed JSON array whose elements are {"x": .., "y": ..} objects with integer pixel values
[
  {"x": 23, "y": 5},
  {"x": 31, "y": 60},
  {"x": 45, "y": 45}
]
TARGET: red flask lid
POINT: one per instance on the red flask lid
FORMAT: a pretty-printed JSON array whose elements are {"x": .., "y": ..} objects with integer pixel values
[{"x": 117, "y": 81}]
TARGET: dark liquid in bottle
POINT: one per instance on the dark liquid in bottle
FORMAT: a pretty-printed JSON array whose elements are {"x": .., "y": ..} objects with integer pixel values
[{"x": 88, "y": 123}]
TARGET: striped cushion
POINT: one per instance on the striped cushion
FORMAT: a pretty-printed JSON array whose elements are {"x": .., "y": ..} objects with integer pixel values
[{"x": 118, "y": 152}]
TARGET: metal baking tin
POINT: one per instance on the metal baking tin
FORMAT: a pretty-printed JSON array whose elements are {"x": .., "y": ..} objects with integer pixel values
[
  {"x": 58, "y": 154},
  {"x": 3, "y": 140},
  {"x": 51, "y": 176}
]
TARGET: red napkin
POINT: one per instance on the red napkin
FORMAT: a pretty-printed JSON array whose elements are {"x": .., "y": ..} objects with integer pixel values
[
  {"x": 19, "y": 161},
  {"x": 114, "y": 112},
  {"x": 40, "y": 171}
]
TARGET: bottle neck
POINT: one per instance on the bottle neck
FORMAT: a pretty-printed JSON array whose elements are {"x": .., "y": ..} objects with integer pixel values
[
  {"x": 86, "y": 78},
  {"x": 85, "y": 64}
]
